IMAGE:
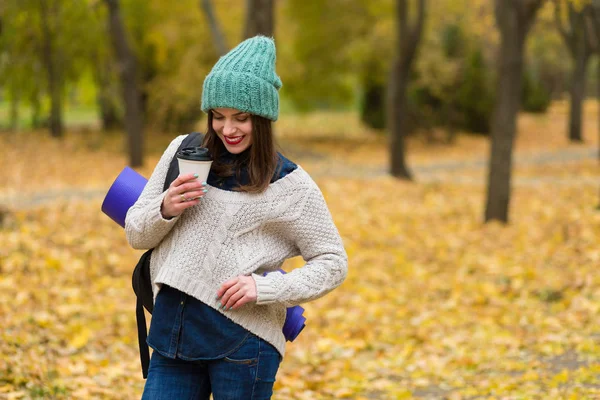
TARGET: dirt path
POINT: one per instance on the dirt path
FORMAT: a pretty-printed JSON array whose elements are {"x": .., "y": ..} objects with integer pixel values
[
  {"x": 467, "y": 172},
  {"x": 453, "y": 170}
]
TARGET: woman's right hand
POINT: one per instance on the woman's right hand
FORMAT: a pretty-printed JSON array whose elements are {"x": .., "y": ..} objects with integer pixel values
[{"x": 184, "y": 192}]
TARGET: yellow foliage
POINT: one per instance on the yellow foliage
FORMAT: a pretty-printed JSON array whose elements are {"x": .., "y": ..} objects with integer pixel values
[{"x": 436, "y": 304}]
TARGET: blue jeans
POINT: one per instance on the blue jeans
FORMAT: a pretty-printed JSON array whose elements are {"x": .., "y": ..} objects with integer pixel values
[{"x": 246, "y": 374}]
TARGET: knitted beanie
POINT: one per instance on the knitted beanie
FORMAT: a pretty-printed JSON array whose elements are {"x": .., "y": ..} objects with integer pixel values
[{"x": 245, "y": 79}]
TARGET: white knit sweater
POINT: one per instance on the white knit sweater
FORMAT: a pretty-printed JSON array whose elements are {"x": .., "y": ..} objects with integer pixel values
[{"x": 234, "y": 233}]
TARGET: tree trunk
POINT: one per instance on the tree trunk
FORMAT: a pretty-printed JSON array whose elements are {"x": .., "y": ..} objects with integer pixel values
[
  {"x": 398, "y": 120},
  {"x": 49, "y": 54},
  {"x": 215, "y": 27},
  {"x": 259, "y": 18},
  {"x": 578, "y": 94},
  {"x": 131, "y": 94},
  {"x": 579, "y": 38},
  {"x": 106, "y": 96},
  {"x": 513, "y": 20},
  {"x": 408, "y": 38}
]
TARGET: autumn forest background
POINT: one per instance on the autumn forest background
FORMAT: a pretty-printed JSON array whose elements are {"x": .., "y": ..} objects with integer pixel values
[{"x": 456, "y": 142}]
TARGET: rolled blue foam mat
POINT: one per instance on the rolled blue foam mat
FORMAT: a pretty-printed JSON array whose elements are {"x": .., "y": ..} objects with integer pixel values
[
  {"x": 122, "y": 194},
  {"x": 294, "y": 323}
]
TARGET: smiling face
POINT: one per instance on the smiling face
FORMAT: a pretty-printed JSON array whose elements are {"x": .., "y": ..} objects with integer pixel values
[{"x": 234, "y": 128}]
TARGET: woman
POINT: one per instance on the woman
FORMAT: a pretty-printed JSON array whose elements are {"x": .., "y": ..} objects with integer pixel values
[{"x": 217, "y": 321}]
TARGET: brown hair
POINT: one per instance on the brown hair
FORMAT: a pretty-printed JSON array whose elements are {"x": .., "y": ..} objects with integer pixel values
[{"x": 261, "y": 159}]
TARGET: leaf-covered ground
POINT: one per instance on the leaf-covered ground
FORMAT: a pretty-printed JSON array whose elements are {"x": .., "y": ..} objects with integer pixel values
[{"x": 436, "y": 305}]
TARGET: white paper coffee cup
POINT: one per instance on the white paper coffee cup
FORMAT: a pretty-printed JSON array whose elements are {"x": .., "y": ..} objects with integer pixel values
[{"x": 194, "y": 167}]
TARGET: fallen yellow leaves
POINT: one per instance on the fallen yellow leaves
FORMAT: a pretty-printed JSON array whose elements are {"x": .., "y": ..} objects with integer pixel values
[
  {"x": 440, "y": 305},
  {"x": 436, "y": 304}
]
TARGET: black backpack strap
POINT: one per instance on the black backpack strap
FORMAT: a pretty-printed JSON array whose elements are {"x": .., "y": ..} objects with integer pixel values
[
  {"x": 142, "y": 286},
  {"x": 192, "y": 140},
  {"x": 142, "y": 336},
  {"x": 141, "y": 282}
]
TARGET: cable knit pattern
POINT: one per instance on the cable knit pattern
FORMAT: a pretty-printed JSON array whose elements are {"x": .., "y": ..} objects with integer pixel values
[
  {"x": 234, "y": 233},
  {"x": 245, "y": 79}
]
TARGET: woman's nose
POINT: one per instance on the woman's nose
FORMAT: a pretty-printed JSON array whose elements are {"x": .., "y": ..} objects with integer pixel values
[{"x": 228, "y": 128}]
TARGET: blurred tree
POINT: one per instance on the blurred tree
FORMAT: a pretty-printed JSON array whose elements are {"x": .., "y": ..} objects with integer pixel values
[
  {"x": 131, "y": 95},
  {"x": 535, "y": 97},
  {"x": 514, "y": 19},
  {"x": 323, "y": 69},
  {"x": 432, "y": 92},
  {"x": 570, "y": 21},
  {"x": 451, "y": 83},
  {"x": 9, "y": 62},
  {"x": 332, "y": 54},
  {"x": 408, "y": 37},
  {"x": 103, "y": 69},
  {"x": 215, "y": 27},
  {"x": 372, "y": 105},
  {"x": 315, "y": 57},
  {"x": 259, "y": 18},
  {"x": 37, "y": 34},
  {"x": 142, "y": 17},
  {"x": 593, "y": 24},
  {"x": 548, "y": 62},
  {"x": 177, "y": 44},
  {"x": 107, "y": 97},
  {"x": 52, "y": 58},
  {"x": 475, "y": 96},
  {"x": 373, "y": 26}
]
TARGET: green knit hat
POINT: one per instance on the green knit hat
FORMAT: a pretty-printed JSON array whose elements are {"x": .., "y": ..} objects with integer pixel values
[{"x": 245, "y": 79}]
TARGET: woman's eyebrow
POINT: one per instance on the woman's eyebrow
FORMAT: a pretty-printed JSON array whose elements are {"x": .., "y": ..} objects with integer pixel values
[{"x": 240, "y": 113}]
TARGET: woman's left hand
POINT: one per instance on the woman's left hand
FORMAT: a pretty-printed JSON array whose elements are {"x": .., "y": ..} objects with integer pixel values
[{"x": 236, "y": 292}]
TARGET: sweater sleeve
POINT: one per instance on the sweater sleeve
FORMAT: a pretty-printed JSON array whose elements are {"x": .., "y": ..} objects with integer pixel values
[
  {"x": 145, "y": 226},
  {"x": 320, "y": 245}
]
